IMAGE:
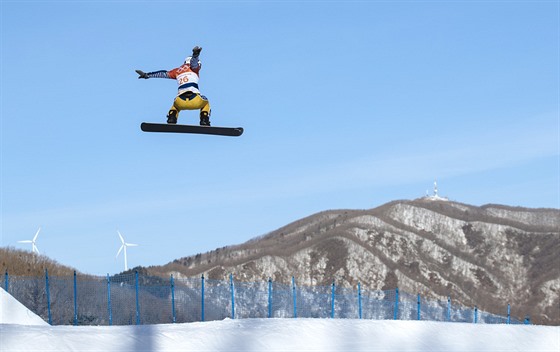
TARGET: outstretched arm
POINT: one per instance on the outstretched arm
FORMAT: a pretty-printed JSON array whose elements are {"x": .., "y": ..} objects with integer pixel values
[
  {"x": 156, "y": 74},
  {"x": 165, "y": 74},
  {"x": 194, "y": 58}
]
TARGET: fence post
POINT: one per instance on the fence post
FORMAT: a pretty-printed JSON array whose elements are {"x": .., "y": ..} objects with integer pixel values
[
  {"x": 110, "y": 310},
  {"x": 137, "y": 298},
  {"x": 173, "y": 299},
  {"x": 359, "y": 301},
  {"x": 202, "y": 300},
  {"x": 75, "y": 300},
  {"x": 270, "y": 297},
  {"x": 418, "y": 309},
  {"x": 332, "y": 299},
  {"x": 396, "y": 311},
  {"x": 294, "y": 296},
  {"x": 448, "y": 308},
  {"x": 475, "y": 314},
  {"x": 48, "y": 295},
  {"x": 508, "y": 314},
  {"x": 6, "y": 281},
  {"x": 232, "y": 296}
]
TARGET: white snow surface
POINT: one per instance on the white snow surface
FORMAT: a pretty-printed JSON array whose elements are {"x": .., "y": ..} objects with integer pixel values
[
  {"x": 18, "y": 334},
  {"x": 284, "y": 335},
  {"x": 13, "y": 312}
]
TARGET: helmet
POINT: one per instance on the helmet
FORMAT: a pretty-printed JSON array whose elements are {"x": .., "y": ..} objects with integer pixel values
[{"x": 188, "y": 60}]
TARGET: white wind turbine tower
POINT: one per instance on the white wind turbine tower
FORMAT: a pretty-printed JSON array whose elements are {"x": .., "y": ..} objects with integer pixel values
[
  {"x": 33, "y": 242},
  {"x": 123, "y": 247}
]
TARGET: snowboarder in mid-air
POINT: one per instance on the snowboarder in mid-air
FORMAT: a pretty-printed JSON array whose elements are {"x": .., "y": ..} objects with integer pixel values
[{"x": 188, "y": 97}]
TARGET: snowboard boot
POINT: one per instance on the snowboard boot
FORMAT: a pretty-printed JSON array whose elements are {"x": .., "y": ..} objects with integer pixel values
[
  {"x": 172, "y": 117},
  {"x": 204, "y": 118}
]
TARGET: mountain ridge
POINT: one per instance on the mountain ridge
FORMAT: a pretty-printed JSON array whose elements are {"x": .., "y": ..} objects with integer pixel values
[{"x": 488, "y": 256}]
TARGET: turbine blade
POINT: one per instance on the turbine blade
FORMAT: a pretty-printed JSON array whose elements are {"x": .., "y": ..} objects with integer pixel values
[
  {"x": 37, "y": 234},
  {"x": 131, "y": 244},
  {"x": 120, "y": 250},
  {"x": 25, "y": 241},
  {"x": 35, "y": 248},
  {"x": 122, "y": 239}
]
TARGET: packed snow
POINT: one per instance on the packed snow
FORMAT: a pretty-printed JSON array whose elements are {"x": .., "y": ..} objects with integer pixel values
[
  {"x": 13, "y": 312},
  {"x": 17, "y": 333}
]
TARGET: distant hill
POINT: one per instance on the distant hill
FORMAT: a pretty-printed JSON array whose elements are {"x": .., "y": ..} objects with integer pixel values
[
  {"x": 25, "y": 263},
  {"x": 487, "y": 256}
]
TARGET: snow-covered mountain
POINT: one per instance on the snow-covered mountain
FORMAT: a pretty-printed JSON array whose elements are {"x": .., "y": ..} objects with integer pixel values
[{"x": 487, "y": 256}]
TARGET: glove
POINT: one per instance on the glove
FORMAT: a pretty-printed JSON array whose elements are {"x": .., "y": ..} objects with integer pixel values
[
  {"x": 142, "y": 74},
  {"x": 196, "y": 51}
]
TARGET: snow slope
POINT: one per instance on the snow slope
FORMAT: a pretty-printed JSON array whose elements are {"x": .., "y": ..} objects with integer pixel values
[
  {"x": 284, "y": 335},
  {"x": 19, "y": 332},
  {"x": 13, "y": 312}
]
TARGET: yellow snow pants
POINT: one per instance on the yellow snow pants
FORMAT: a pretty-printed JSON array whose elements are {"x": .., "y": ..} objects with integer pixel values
[{"x": 194, "y": 101}]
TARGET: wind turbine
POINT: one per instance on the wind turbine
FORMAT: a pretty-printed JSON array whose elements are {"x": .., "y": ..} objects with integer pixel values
[
  {"x": 124, "y": 245},
  {"x": 33, "y": 245}
]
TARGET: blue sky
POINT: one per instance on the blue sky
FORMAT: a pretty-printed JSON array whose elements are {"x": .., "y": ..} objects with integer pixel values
[{"x": 345, "y": 104}]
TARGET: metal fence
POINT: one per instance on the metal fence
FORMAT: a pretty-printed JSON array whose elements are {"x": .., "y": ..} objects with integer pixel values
[{"x": 137, "y": 299}]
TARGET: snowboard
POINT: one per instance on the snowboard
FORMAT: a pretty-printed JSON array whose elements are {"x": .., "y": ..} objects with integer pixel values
[{"x": 196, "y": 129}]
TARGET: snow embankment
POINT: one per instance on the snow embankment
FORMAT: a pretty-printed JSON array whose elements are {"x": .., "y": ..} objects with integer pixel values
[
  {"x": 22, "y": 330},
  {"x": 284, "y": 335},
  {"x": 13, "y": 312}
]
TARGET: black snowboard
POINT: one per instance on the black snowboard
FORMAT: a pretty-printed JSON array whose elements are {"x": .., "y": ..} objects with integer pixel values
[{"x": 164, "y": 127}]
